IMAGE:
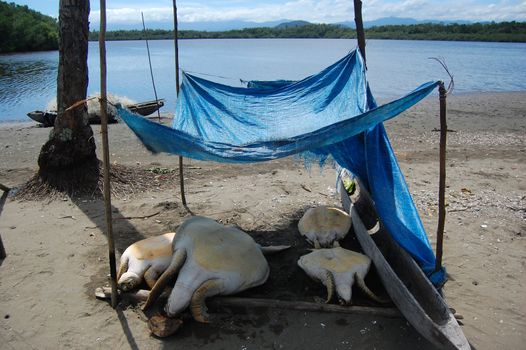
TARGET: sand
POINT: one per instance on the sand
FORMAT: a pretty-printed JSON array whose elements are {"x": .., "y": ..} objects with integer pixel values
[{"x": 57, "y": 253}]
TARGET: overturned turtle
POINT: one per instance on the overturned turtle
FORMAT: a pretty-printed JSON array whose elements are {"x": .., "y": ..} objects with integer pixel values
[
  {"x": 145, "y": 259},
  {"x": 338, "y": 268},
  {"x": 211, "y": 259},
  {"x": 324, "y": 226}
]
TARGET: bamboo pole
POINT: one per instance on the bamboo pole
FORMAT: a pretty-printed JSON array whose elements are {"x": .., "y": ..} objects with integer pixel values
[
  {"x": 150, "y": 63},
  {"x": 176, "y": 41},
  {"x": 106, "y": 153},
  {"x": 229, "y": 301},
  {"x": 360, "y": 33},
  {"x": 442, "y": 177}
]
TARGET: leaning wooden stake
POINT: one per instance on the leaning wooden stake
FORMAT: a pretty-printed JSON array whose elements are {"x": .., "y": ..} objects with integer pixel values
[
  {"x": 106, "y": 153},
  {"x": 150, "y": 62},
  {"x": 442, "y": 177},
  {"x": 176, "y": 41},
  {"x": 360, "y": 33}
]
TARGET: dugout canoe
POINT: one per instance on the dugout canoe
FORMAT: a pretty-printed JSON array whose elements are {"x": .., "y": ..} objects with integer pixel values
[
  {"x": 410, "y": 290},
  {"x": 47, "y": 118}
]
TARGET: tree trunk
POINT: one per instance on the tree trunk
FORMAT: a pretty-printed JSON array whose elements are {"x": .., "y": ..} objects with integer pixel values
[{"x": 68, "y": 159}]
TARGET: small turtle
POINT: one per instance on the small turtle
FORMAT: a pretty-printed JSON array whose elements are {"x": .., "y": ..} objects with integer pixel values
[
  {"x": 324, "y": 226},
  {"x": 147, "y": 258},
  {"x": 338, "y": 267}
]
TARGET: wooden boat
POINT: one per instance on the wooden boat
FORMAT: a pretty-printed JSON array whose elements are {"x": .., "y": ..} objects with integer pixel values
[
  {"x": 43, "y": 117},
  {"x": 410, "y": 290},
  {"x": 47, "y": 118},
  {"x": 146, "y": 108}
]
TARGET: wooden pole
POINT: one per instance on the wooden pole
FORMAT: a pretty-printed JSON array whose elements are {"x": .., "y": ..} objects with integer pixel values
[
  {"x": 442, "y": 177},
  {"x": 4, "y": 188},
  {"x": 3, "y": 199},
  {"x": 176, "y": 40},
  {"x": 229, "y": 301},
  {"x": 3, "y": 253},
  {"x": 106, "y": 153},
  {"x": 150, "y": 62},
  {"x": 360, "y": 33}
]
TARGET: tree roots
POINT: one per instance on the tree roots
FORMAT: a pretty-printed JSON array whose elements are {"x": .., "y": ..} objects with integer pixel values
[{"x": 87, "y": 182}]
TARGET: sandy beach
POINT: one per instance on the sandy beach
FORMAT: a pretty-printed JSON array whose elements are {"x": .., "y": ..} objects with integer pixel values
[{"x": 57, "y": 251}]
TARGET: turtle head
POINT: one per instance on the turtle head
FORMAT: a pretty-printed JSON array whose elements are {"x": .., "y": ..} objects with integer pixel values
[{"x": 128, "y": 281}]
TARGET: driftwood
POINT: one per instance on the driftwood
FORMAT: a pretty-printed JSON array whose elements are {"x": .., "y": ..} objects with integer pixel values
[{"x": 217, "y": 302}]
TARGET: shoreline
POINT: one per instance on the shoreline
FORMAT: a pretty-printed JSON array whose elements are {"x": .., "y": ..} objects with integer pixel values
[{"x": 433, "y": 95}]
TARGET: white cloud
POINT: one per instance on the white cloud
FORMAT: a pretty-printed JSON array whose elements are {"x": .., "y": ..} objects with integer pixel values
[
  {"x": 473, "y": 10},
  {"x": 321, "y": 11}
]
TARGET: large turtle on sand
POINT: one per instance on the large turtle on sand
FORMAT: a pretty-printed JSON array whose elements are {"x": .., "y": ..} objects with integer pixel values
[
  {"x": 340, "y": 268},
  {"x": 324, "y": 226},
  {"x": 147, "y": 258},
  {"x": 211, "y": 259}
]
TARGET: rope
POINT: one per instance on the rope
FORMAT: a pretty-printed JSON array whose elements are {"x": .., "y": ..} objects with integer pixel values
[
  {"x": 210, "y": 75},
  {"x": 442, "y": 61}
]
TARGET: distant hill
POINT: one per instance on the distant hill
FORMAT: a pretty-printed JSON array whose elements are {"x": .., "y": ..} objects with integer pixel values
[
  {"x": 389, "y": 21},
  {"x": 220, "y": 26},
  {"x": 211, "y": 26},
  {"x": 22, "y": 29},
  {"x": 292, "y": 24}
]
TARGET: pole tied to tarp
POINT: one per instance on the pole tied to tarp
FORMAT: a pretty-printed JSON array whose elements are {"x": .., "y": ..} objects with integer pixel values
[
  {"x": 176, "y": 43},
  {"x": 106, "y": 154},
  {"x": 442, "y": 177}
]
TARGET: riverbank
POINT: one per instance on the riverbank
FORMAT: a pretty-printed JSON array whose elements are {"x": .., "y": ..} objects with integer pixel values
[
  {"x": 57, "y": 253},
  {"x": 488, "y": 32}
]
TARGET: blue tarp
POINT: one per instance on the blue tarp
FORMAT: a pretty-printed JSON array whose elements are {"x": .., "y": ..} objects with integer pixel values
[{"x": 329, "y": 113}]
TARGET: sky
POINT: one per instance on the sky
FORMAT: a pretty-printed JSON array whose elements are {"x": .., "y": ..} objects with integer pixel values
[{"x": 128, "y": 12}]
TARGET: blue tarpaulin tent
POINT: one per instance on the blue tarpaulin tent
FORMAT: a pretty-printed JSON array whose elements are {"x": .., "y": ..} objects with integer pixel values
[{"x": 332, "y": 113}]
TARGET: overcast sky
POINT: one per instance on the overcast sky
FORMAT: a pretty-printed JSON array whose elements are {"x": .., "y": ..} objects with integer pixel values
[{"x": 317, "y": 11}]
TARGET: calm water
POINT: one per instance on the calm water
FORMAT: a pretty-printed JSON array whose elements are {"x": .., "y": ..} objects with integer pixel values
[{"x": 28, "y": 81}]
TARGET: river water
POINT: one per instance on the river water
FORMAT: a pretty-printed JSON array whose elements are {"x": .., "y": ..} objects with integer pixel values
[{"x": 28, "y": 80}]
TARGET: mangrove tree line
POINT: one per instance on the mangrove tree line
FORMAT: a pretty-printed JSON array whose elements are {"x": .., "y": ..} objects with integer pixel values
[
  {"x": 23, "y": 29},
  {"x": 503, "y": 31}
]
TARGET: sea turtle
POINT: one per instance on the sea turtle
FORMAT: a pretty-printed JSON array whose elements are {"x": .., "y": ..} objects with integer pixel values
[
  {"x": 147, "y": 258},
  {"x": 338, "y": 267},
  {"x": 324, "y": 226},
  {"x": 211, "y": 259}
]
